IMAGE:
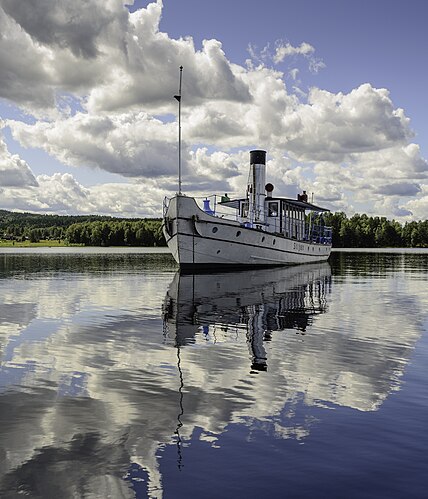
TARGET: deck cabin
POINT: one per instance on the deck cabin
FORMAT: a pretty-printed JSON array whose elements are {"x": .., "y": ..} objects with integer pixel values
[{"x": 283, "y": 216}]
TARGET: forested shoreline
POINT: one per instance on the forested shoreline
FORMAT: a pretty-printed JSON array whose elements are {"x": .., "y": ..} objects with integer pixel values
[
  {"x": 88, "y": 230},
  {"x": 363, "y": 231},
  {"x": 358, "y": 231}
]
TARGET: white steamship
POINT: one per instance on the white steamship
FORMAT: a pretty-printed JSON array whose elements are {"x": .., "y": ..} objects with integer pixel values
[{"x": 256, "y": 230}]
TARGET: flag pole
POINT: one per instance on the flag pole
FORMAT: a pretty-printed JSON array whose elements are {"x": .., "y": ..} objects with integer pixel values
[{"x": 178, "y": 98}]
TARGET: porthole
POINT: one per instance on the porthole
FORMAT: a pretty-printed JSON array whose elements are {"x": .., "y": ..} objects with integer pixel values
[
  {"x": 215, "y": 229},
  {"x": 238, "y": 233}
]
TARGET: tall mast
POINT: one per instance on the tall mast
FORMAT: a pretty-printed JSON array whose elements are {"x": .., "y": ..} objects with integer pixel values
[{"x": 178, "y": 98}]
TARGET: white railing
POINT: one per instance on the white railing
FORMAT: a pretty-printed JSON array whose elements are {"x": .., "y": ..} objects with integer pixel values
[
  {"x": 215, "y": 208},
  {"x": 320, "y": 234},
  {"x": 165, "y": 206}
]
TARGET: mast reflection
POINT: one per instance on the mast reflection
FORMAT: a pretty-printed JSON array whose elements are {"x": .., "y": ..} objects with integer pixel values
[{"x": 256, "y": 302}]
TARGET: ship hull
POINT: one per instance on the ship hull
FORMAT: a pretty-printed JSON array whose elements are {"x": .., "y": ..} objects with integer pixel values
[{"x": 199, "y": 240}]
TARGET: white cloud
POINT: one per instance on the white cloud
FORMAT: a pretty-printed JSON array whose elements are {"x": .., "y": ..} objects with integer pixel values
[
  {"x": 391, "y": 207},
  {"x": 98, "y": 49},
  {"x": 62, "y": 193},
  {"x": 132, "y": 144},
  {"x": 418, "y": 206},
  {"x": 24, "y": 78},
  {"x": 74, "y": 25},
  {"x": 404, "y": 189},
  {"x": 294, "y": 73},
  {"x": 331, "y": 126},
  {"x": 283, "y": 50},
  {"x": 14, "y": 171}
]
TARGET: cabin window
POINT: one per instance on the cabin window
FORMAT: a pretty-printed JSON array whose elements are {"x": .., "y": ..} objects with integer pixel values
[
  {"x": 273, "y": 210},
  {"x": 244, "y": 209},
  {"x": 287, "y": 220}
]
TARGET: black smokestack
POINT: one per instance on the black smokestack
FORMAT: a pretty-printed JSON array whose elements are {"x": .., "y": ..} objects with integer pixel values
[{"x": 257, "y": 157}]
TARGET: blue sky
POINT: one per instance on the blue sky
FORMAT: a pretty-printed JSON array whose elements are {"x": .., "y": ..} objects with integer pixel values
[{"x": 334, "y": 90}]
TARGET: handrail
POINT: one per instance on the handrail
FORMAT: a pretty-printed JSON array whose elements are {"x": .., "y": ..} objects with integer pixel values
[
  {"x": 320, "y": 234},
  {"x": 165, "y": 205}
]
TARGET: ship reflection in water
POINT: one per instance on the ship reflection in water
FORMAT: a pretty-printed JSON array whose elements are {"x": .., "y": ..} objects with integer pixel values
[
  {"x": 303, "y": 357},
  {"x": 255, "y": 303},
  {"x": 119, "y": 378}
]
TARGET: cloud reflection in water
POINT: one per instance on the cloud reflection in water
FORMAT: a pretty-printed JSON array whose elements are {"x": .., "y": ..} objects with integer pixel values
[{"x": 133, "y": 362}]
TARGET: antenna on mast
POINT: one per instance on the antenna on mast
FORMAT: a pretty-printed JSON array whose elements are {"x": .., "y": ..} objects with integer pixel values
[{"x": 178, "y": 98}]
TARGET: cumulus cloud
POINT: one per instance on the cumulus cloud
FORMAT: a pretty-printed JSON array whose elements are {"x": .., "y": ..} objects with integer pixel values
[
  {"x": 330, "y": 126},
  {"x": 392, "y": 207},
  {"x": 418, "y": 207},
  {"x": 98, "y": 49},
  {"x": 140, "y": 79},
  {"x": 141, "y": 197},
  {"x": 63, "y": 194},
  {"x": 399, "y": 189},
  {"x": 59, "y": 192},
  {"x": 75, "y": 25},
  {"x": 211, "y": 173},
  {"x": 24, "y": 78},
  {"x": 283, "y": 50},
  {"x": 14, "y": 171},
  {"x": 132, "y": 145}
]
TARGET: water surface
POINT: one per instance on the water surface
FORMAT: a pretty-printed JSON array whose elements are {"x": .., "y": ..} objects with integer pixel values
[{"x": 121, "y": 378}]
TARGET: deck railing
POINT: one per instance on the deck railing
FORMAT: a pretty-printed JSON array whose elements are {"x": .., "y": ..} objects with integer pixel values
[
  {"x": 320, "y": 234},
  {"x": 165, "y": 205},
  {"x": 214, "y": 208}
]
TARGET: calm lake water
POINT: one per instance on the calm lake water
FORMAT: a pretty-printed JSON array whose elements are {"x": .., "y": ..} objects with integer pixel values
[{"x": 120, "y": 378}]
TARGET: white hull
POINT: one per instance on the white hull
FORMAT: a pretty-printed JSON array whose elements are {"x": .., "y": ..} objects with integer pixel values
[{"x": 196, "y": 238}]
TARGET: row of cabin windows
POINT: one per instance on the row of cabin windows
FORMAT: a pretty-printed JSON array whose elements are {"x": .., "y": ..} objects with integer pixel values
[
  {"x": 288, "y": 212},
  {"x": 273, "y": 211},
  {"x": 293, "y": 219},
  {"x": 292, "y": 223}
]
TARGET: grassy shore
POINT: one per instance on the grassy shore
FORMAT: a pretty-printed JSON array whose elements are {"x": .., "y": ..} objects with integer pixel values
[{"x": 54, "y": 243}]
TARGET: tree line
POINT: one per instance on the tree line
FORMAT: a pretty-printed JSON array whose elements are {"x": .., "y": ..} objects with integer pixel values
[
  {"x": 146, "y": 232},
  {"x": 359, "y": 231},
  {"x": 20, "y": 220},
  {"x": 90, "y": 230},
  {"x": 362, "y": 231}
]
